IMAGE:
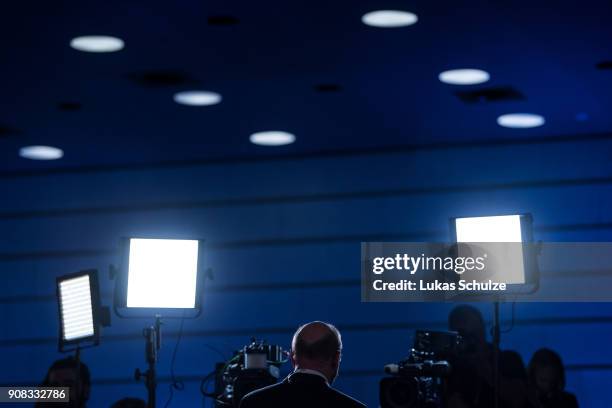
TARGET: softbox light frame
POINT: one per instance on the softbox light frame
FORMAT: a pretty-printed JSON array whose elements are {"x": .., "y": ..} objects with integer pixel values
[
  {"x": 530, "y": 249},
  {"x": 121, "y": 285}
]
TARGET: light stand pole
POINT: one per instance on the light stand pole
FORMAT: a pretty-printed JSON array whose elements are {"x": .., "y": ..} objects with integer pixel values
[
  {"x": 152, "y": 335},
  {"x": 77, "y": 374},
  {"x": 496, "y": 352}
]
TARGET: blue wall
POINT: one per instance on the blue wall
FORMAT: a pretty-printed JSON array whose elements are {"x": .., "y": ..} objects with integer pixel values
[{"x": 284, "y": 246}]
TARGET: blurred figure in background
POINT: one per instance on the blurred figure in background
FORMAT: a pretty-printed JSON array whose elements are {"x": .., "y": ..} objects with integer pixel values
[
  {"x": 468, "y": 322},
  {"x": 513, "y": 381},
  {"x": 469, "y": 385},
  {"x": 64, "y": 373},
  {"x": 546, "y": 376}
]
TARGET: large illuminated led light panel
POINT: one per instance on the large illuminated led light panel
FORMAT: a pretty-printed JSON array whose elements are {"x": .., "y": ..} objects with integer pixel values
[
  {"x": 162, "y": 273},
  {"x": 504, "y": 262},
  {"x": 502, "y": 228},
  {"x": 76, "y": 310}
]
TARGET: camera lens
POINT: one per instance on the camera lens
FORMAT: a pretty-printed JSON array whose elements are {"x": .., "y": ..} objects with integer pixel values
[{"x": 399, "y": 393}]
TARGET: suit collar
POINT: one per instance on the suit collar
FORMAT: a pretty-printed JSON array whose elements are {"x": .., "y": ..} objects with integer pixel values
[{"x": 307, "y": 375}]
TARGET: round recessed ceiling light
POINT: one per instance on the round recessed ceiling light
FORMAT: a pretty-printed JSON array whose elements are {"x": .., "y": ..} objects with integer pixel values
[
  {"x": 520, "y": 120},
  {"x": 97, "y": 43},
  {"x": 466, "y": 76},
  {"x": 41, "y": 153},
  {"x": 389, "y": 18},
  {"x": 272, "y": 138},
  {"x": 197, "y": 98}
]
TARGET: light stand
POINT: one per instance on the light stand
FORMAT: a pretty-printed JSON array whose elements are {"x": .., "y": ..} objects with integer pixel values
[
  {"x": 516, "y": 228},
  {"x": 77, "y": 385},
  {"x": 152, "y": 336},
  {"x": 157, "y": 274},
  {"x": 496, "y": 332}
]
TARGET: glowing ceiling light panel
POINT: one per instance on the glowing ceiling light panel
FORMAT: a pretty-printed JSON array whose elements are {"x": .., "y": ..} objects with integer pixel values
[
  {"x": 97, "y": 43},
  {"x": 197, "y": 98},
  {"x": 389, "y": 18},
  {"x": 467, "y": 76},
  {"x": 41, "y": 153},
  {"x": 520, "y": 120},
  {"x": 272, "y": 138}
]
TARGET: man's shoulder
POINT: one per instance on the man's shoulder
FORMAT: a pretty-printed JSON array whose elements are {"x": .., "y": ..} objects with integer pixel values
[
  {"x": 346, "y": 400},
  {"x": 257, "y": 397},
  {"x": 272, "y": 394}
]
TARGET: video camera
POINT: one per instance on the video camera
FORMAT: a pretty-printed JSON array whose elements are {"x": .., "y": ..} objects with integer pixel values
[
  {"x": 419, "y": 380},
  {"x": 255, "y": 366}
]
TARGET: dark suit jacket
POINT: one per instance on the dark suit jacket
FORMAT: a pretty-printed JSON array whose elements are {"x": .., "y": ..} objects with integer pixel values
[
  {"x": 299, "y": 390},
  {"x": 562, "y": 399}
]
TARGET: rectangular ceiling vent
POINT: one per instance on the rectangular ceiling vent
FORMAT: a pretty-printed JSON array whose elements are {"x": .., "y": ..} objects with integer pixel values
[
  {"x": 497, "y": 94},
  {"x": 604, "y": 65},
  {"x": 161, "y": 78},
  {"x": 6, "y": 131}
]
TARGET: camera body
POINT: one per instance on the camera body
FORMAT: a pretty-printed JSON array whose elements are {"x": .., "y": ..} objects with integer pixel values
[
  {"x": 255, "y": 366},
  {"x": 419, "y": 380}
]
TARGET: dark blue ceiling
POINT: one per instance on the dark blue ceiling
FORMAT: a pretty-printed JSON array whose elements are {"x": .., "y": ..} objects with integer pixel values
[{"x": 267, "y": 66}]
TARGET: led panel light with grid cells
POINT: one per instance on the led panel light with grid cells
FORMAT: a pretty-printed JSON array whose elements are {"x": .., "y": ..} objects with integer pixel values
[{"x": 76, "y": 308}]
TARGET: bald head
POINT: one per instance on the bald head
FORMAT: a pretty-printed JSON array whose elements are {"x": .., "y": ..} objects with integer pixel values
[
  {"x": 317, "y": 346},
  {"x": 316, "y": 341}
]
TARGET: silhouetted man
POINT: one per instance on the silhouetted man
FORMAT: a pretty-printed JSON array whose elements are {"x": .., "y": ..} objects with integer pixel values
[
  {"x": 470, "y": 384},
  {"x": 315, "y": 355}
]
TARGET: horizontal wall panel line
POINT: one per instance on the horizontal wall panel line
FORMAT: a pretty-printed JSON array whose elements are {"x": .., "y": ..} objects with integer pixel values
[
  {"x": 281, "y": 286},
  {"x": 351, "y": 373},
  {"x": 318, "y": 284},
  {"x": 301, "y": 198},
  {"x": 420, "y": 236},
  {"x": 322, "y": 284},
  {"x": 322, "y": 154},
  {"x": 83, "y": 253},
  {"x": 327, "y": 239},
  {"x": 361, "y": 327},
  {"x": 62, "y": 254}
]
